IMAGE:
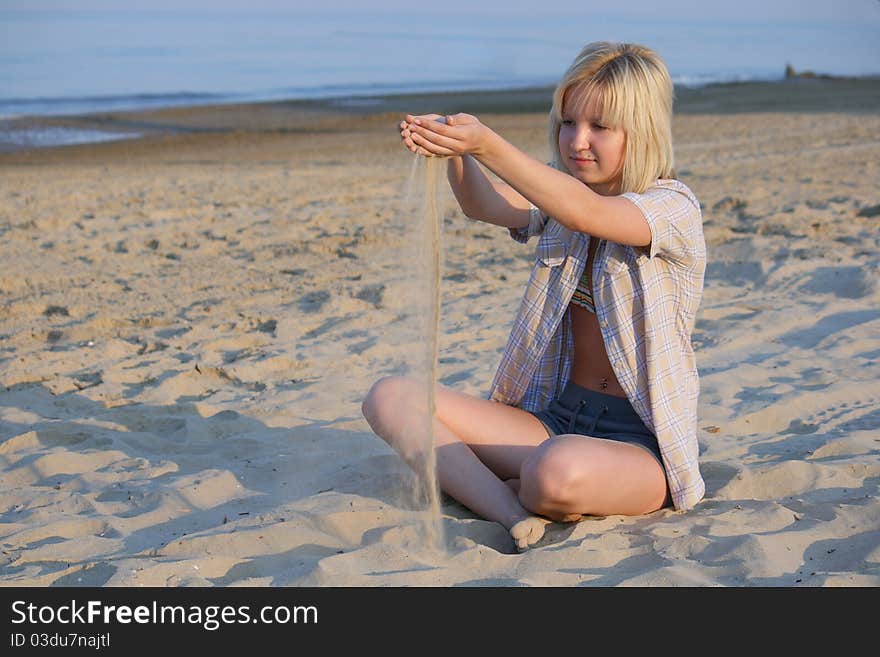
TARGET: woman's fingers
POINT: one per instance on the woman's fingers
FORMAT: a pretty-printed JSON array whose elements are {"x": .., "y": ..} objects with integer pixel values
[
  {"x": 436, "y": 136},
  {"x": 434, "y": 125},
  {"x": 421, "y": 134},
  {"x": 406, "y": 137},
  {"x": 436, "y": 149},
  {"x": 430, "y": 138},
  {"x": 430, "y": 146},
  {"x": 424, "y": 146},
  {"x": 415, "y": 118}
]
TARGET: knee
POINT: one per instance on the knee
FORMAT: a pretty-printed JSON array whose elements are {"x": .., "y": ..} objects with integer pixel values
[
  {"x": 549, "y": 482},
  {"x": 382, "y": 398}
]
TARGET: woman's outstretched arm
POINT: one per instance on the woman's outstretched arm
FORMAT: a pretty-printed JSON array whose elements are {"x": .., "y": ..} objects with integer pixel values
[
  {"x": 566, "y": 199},
  {"x": 479, "y": 197}
]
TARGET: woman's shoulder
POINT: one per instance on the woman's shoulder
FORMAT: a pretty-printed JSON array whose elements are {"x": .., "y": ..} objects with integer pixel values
[
  {"x": 672, "y": 188},
  {"x": 667, "y": 197}
]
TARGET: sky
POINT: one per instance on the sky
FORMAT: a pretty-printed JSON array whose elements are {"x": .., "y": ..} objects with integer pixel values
[{"x": 832, "y": 12}]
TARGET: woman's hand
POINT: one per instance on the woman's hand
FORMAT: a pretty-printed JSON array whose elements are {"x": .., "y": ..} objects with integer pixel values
[
  {"x": 406, "y": 131},
  {"x": 435, "y": 135}
]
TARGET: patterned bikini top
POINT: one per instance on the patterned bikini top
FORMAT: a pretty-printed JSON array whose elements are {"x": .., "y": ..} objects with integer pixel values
[{"x": 583, "y": 295}]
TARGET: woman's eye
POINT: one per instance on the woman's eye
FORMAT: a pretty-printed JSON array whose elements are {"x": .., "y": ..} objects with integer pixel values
[{"x": 567, "y": 122}]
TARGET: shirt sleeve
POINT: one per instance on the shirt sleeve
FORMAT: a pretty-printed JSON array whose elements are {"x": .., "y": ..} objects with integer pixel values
[
  {"x": 537, "y": 221},
  {"x": 675, "y": 221}
]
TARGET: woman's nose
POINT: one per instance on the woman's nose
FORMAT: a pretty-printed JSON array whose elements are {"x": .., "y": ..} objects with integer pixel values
[{"x": 581, "y": 138}]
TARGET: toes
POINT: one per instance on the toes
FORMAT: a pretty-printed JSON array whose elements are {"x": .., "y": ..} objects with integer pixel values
[{"x": 527, "y": 532}]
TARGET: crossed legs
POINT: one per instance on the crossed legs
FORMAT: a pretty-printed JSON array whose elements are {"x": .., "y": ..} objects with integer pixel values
[{"x": 498, "y": 460}]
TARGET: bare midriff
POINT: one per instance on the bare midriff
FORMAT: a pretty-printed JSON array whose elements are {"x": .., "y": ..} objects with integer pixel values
[{"x": 591, "y": 368}]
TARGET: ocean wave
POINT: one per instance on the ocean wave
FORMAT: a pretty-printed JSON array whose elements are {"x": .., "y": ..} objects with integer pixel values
[{"x": 46, "y": 136}]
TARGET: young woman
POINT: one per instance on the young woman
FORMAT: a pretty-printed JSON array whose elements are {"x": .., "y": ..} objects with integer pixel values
[{"x": 593, "y": 409}]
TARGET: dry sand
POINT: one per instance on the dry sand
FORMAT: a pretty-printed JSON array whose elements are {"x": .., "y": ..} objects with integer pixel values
[{"x": 189, "y": 323}]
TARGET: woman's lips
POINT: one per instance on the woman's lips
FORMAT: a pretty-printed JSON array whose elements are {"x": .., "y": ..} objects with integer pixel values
[{"x": 583, "y": 161}]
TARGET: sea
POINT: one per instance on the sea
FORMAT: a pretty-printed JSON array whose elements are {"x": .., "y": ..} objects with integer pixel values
[{"x": 62, "y": 58}]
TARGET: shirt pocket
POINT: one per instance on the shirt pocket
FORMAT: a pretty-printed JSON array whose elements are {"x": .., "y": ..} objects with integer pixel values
[
  {"x": 619, "y": 264},
  {"x": 551, "y": 251}
]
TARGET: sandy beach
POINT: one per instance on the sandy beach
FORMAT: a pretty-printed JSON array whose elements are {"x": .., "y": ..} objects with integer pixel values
[{"x": 189, "y": 322}]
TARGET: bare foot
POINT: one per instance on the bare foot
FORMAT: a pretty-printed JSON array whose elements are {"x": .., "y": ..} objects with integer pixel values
[{"x": 527, "y": 532}]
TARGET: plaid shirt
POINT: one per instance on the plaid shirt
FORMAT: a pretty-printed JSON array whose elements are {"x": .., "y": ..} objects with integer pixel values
[{"x": 646, "y": 302}]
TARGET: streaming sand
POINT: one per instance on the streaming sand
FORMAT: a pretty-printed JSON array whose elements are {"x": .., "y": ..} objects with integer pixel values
[{"x": 190, "y": 321}]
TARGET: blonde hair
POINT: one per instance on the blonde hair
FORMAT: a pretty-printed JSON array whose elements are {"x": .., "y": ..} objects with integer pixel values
[{"x": 634, "y": 92}]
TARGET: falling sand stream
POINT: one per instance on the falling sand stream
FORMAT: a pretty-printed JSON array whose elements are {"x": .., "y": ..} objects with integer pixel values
[{"x": 422, "y": 199}]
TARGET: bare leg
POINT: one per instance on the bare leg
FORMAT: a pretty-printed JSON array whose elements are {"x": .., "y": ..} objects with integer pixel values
[
  {"x": 463, "y": 476},
  {"x": 499, "y": 462},
  {"x": 573, "y": 475},
  {"x": 514, "y": 485},
  {"x": 478, "y": 442}
]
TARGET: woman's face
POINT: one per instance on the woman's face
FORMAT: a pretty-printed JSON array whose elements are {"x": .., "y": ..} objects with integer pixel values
[{"x": 592, "y": 152}]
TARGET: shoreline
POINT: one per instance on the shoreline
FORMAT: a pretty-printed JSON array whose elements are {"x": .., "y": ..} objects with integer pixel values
[{"x": 859, "y": 95}]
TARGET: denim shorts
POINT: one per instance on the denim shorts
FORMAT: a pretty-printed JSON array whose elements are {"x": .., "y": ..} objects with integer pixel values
[{"x": 581, "y": 411}]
